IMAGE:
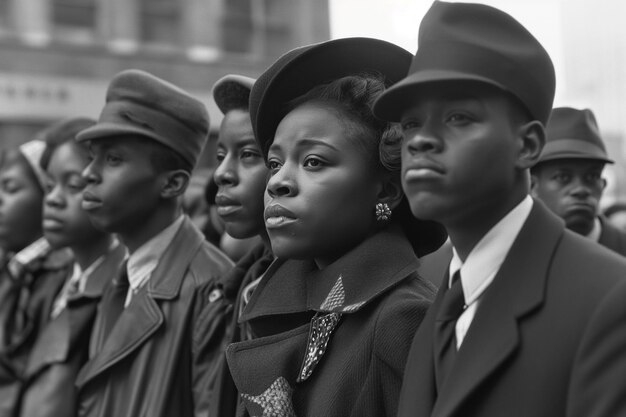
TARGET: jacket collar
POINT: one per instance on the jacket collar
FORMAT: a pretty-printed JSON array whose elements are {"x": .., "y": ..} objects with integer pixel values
[
  {"x": 345, "y": 286},
  {"x": 143, "y": 317},
  {"x": 517, "y": 289},
  {"x": 61, "y": 334}
]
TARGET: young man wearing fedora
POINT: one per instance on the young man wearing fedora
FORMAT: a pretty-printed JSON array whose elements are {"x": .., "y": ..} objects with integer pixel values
[
  {"x": 147, "y": 342},
  {"x": 530, "y": 319},
  {"x": 568, "y": 177}
]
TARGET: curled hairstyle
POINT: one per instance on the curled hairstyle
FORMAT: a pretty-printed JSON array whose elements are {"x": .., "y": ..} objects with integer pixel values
[{"x": 354, "y": 96}]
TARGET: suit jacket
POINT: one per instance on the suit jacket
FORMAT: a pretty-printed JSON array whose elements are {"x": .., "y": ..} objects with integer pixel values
[
  {"x": 62, "y": 346},
  {"x": 332, "y": 342},
  {"x": 147, "y": 361},
  {"x": 612, "y": 237},
  {"x": 548, "y": 338}
]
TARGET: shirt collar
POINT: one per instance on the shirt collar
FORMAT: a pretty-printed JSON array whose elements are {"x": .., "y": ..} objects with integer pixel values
[
  {"x": 487, "y": 256},
  {"x": 145, "y": 259}
]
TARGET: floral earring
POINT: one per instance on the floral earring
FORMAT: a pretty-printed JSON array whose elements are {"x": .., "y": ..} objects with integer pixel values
[{"x": 383, "y": 212}]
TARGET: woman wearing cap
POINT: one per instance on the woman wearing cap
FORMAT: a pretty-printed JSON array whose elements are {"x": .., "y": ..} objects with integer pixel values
[
  {"x": 32, "y": 274},
  {"x": 333, "y": 316},
  {"x": 239, "y": 179}
]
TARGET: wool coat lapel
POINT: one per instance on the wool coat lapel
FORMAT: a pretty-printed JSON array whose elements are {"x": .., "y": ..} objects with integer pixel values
[
  {"x": 517, "y": 289},
  {"x": 63, "y": 332},
  {"x": 143, "y": 316}
]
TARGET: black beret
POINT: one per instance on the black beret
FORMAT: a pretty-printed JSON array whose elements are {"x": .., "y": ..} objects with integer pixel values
[
  {"x": 301, "y": 69},
  {"x": 139, "y": 103},
  {"x": 475, "y": 42}
]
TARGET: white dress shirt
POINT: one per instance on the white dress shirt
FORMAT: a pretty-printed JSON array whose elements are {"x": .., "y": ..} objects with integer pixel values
[
  {"x": 145, "y": 259},
  {"x": 484, "y": 261}
]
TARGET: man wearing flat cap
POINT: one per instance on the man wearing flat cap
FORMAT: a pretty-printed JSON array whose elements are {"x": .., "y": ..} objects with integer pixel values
[
  {"x": 568, "y": 177},
  {"x": 529, "y": 320},
  {"x": 148, "y": 347}
]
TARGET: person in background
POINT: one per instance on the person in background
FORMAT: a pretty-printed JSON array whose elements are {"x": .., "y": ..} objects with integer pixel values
[
  {"x": 568, "y": 177},
  {"x": 61, "y": 347},
  {"x": 332, "y": 319},
  {"x": 530, "y": 319},
  {"x": 147, "y": 341},
  {"x": 239, "y": 180},
  {"x": 32, "y": 273}
]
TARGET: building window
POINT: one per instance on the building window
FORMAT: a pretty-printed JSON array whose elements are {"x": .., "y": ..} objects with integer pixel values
[
  {"x": 161, "y": 22},
  {"x": 74, "y": 20}
]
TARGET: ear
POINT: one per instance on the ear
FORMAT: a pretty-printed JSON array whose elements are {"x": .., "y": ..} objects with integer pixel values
[
  {"x": 391, "y": 192},
  {"x": 603, "y": 183},
  {"x": 174, "y": 184},
  {"x": 532, "y": 138}
]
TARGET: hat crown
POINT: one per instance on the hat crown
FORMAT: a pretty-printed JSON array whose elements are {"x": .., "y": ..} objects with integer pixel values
[
  {"x": 475, "y": 42},
  {"x": 573, "y": 134},
  {"x": 139, "y": 103}
]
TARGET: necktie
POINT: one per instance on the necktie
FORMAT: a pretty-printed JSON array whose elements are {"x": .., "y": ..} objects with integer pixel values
[
  {"x": 452, "y": 306},
  {"x": 113, "y": 305}
]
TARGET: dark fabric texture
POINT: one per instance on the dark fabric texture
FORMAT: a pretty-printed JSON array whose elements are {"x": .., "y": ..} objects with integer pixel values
[
  {"x": 445, "y": 341},
  {"x": 25, "y": 306},
  {"x": 224, "y": 395},
  {"x": 379, "y": 299},
  {"x": 153, "y": 362},
  {"x": 62, "y": 346},
  {"x": 546, "y": 340}
]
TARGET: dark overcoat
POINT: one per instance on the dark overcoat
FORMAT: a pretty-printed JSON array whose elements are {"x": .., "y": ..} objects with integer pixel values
[
  {"x": 62, "y": 347},
  {"x": 150, "y": 362},
  {"x": 547, "y": 340},
  {"x": 223, "y": 394},
  {"x": 332, "y": 342},
  {"x": 25, "y": 306}
]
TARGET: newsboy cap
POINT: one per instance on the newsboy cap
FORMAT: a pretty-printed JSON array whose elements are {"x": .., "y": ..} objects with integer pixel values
[
  {"x": 301, "y": 69},
  {"x": 232, "y": 91},
  {"x": 139, "y": 103},
  {"x": 573, "y": 134},
  {"x": 474, "y": 42}
]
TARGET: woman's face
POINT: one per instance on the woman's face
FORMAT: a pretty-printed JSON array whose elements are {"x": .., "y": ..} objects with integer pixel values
[
  {"x": 240, "y": 175},
  {"x": 65, "y": 223},
  {"x": 20, "y": 205},
  {"x": 323, "y": 187}
]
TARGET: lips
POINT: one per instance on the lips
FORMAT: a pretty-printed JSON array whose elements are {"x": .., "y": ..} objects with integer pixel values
[
  {"x": 90, "y": 202},
  {"x": 422, "y": 169},
  {"x": 226, "y": 205},
  {"x": 51, "y": 223},
  {"x": 278, "y": 216}
]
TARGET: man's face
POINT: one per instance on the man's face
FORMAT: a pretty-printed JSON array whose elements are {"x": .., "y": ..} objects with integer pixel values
[
  {"x": 459, "y": 154},
  {"x": 571, "y": 188}
]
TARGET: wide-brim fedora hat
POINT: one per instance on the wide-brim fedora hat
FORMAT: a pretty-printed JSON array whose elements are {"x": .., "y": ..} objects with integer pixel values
[
  {"x": 573, "y": 134},
  {"x": 301, "y": 69},
  {"x": 232, "y": 91},
  {"x": 475, "y": 43},
  {"x": 139, "y": 103}
]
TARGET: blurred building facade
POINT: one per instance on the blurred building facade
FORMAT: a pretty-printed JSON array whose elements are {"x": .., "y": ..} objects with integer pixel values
[{"x": 57, "y": 56}]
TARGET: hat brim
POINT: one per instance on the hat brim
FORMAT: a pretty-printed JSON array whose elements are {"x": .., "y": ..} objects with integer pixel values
[
  {"x": 566, "y": 155},
  {"x": 392, "y": 103},
  {"x": 307, "y": 67},
  {"x": 221, "y": 93}
]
